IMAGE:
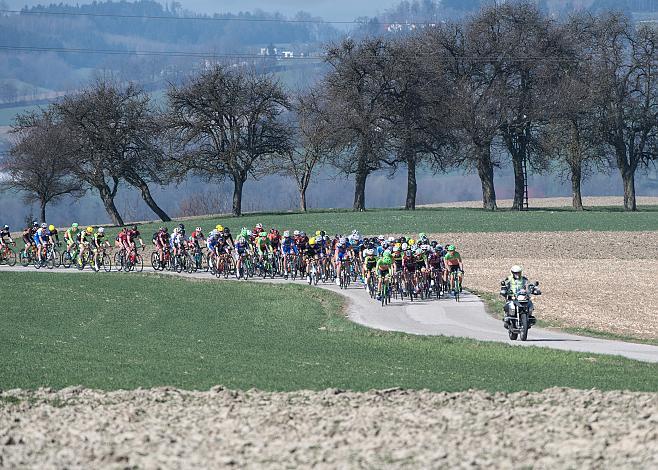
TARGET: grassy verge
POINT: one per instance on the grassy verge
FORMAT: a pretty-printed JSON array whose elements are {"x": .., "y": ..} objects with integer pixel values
[
  {"x": 495, "y": 306},
  {"x": 123, "y": 332},
  {"x": 387, "y": 221}
]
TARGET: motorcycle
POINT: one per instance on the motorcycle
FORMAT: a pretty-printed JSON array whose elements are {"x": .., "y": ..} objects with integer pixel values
[{"x": 518, "y": 310}]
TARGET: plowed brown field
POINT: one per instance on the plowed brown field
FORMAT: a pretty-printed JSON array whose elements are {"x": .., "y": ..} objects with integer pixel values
[
  {"x": 167, "y": 428},
  {"x": 605, "y": 281}
]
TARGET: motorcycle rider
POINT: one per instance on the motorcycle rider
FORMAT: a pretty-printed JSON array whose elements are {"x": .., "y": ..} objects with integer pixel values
[{"x": 514, "y": 283}]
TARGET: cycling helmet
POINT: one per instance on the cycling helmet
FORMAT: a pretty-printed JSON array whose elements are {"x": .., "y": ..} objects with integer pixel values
[
  {"x": 180, "y": 226},
  {"x": 425, "y": 247},
  {"x": 51, "y": 227},
  {"x": 381, "y": 238},
  {"x": 385, "y": 245},
  {"x": 323, "y": 233},
  {"x": 404, "y": 247},
  {"x": 451, "y": 248},
  {"x": 434, "y": 243},
  {"x": 101, "y": 230},
  {"x": 391, "y": 240},
  {"x": 296, "y": 233},
  {"x": 370, "y": 252},
  {"x": 516, "y": 269},
  {"x": 411, "y": 242},
  {"x": 227, "y": 230},
  {"x": 419, "y": 251},
  {"x": 312, "y": 241},
  {"x": 342, "y": 241},
  {"x": 90, "y": 230},
  {"x": 6, "y": 227},
  {"x": 44, "y": 225},
  {"x": 259, "y": 226},
  {"x": 35, "y": 224},
  {"x": 318, "y": 233},
  {"x": 422, "y": 236},
  {"x": 219, "y": 228},
  {"x": 302, "y": 234},
  {"x": 396, "y": 249},
  {"x": 176, "y": 230},
  {"x": 286, "y": 234}
]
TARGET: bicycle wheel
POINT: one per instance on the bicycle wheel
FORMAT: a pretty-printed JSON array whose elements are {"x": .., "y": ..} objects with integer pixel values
[
  {"x": 106, "y": 261},
  {"x": 10, "y": 257},
  {"x": 155, "y": 261},
  {"x": 190, "y": 264},
  {"x": 118, "y": 260},
  {"x": 138, "y": 265}
]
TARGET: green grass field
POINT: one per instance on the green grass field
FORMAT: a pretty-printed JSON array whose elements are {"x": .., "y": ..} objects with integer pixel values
[
  {"x": 123, "y": 332},
  {"x": 388, "y": 221}
]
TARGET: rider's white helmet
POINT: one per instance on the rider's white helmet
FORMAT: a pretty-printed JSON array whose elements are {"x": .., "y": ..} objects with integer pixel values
[
  {"x": 370, "y": 252},
  {"x": 381, "y": 238},
  {"x": 295, "y": 233},
  {"x": 405, "y": 247},
  {"x": 516, "y": 269},
  {"x": 396, "y": 249},
  {"x": 286, "y": 234},
  {"x": 101, "y": 230},
  {"x": 391, "y": 239}
]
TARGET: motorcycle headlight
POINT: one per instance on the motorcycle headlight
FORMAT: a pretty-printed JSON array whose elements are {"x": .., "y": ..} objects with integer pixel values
[{"x": 522, "y": 298}]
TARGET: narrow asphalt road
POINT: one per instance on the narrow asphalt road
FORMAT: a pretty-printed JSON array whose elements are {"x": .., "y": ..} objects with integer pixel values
[{"x": 467, "y": 318}]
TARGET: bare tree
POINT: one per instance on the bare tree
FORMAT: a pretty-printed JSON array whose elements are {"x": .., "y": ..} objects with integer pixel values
[
  {"x": 625, "y": 61},
  {"x": 417, "y": 113},
  {"x": 314, "y": 141},
  {"x": 113, "y": 137},
  {"x": 475, "y": 102},
  {"x": 357, "y": 86},
  {"x": 227, "y": 124},
  {"x": 35, "y": 163}
]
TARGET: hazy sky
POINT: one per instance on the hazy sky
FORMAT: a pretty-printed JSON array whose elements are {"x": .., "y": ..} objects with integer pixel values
[{"x": 338, "y": 10}]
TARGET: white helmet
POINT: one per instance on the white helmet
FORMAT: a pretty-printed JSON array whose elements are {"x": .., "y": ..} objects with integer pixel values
[
  {"x": 381, "y": 238},
  {"x": 286, "y": 234},
  {"x": 101, "y": 230},
  {"x": 405, "y": 247},
  {"x": 295, "y": 233},
  {"x": 391, "y": 239},
  {"x": 370, "y": 252},
  {"x": 396, "y": 249},
  {"x": 516, "y": 269},
  {"x": 342, "y": 241},
  {"x": 425, "y": 247}
]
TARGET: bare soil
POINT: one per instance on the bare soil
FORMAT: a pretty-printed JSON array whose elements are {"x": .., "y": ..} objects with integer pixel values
[
  {"x": 605, "y": 281},
  {"x": 595, "y": 201},
  {"x": 168, "y": 428}
]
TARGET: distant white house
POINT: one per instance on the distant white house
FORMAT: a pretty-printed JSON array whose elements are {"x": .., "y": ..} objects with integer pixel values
[{"x": 288, "y": 54}]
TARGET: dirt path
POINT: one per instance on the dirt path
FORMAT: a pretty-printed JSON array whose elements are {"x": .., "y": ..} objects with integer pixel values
[{"x": 168, "y": 428}]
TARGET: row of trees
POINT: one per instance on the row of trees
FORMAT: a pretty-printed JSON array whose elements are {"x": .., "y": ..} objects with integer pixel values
[{"x": 507, "y": 83}]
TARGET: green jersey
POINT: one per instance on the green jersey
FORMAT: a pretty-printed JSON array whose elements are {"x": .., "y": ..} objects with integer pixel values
[
  {"x": 452, "y": 259},
  {"x": 384, "y": 264}
]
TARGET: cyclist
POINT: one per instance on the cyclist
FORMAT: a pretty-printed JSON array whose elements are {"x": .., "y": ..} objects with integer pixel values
[
  {"x": 288, "y": 247},
  {"x": 341, "y": 253},
  {"x": 409, "y": 267},
  {"x": 384, "y": 269},
  {"x": 84, "y": 239},
  {"x": 133, "y": 234},
  {"x": 453, "y": 262},
  {"x": 263, "y": 246},
  {"x": 397, "y": 259},
  {"x": 161, "y": 241},
  {"x": 71, "y": 237},
  {"x": 41, "y": 240},
  {"x": 228, "y": 238},
  {"x": 121, "y": 240},
  {"x": 28, "y": 235},
  {"x": 275, "y": 239},
  {"x": 176, "y": 241},
  {"x": 435, "y": 264},
  {"x": 369, "y": 264},
  {"x": 242, "y": 249},
  {"x": 311, "y": 254},
  {"x": 98, "y": 242},
  {"x": 5, "y": 233},
  {"x": 195, "y": 239},
  {"x": 53, "y": 233}
]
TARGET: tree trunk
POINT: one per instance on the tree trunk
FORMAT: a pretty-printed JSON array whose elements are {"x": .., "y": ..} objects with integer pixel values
[
  {"x": 486, "y": 174},
  {"x": 238, "y": 183},
  {"x": 108, "y": 202},
  {"x": 628, "y": 177},
  {"x": 302, "y": 199},
  {"x": 412, "y": 186},
  {"x": 576, "y": 179},
  {"x": 146, "y": 195},
  {"x": 360, "y": 189},
  {"x": 42, "y": 204}
]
